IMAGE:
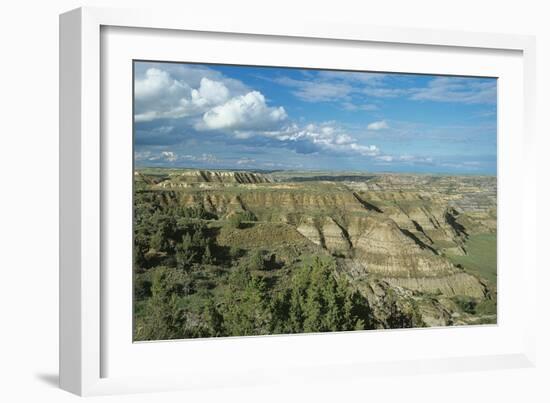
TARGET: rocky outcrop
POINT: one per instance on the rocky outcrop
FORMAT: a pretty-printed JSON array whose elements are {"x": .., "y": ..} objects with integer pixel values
[
  {"x": 178, "y": 180},
  {"x": 458, "y": 283},
  {"x": 395, "y": 306},
  {"x": 327, "y": 233},
  {"x": 383, "y": 248},
  {"x": 335, "y": 236},
  {"x": 310, "y": 230}
]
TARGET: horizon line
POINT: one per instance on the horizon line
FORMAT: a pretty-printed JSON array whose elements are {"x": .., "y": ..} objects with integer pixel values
[{"x": 316, "y": 170}]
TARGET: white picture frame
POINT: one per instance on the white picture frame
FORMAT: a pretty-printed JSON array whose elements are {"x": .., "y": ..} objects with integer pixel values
[{"x": 88, "y": 332}]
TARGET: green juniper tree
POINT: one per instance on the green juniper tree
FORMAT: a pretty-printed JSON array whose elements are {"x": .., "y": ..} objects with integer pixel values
[{"x": 163, "y": 318}]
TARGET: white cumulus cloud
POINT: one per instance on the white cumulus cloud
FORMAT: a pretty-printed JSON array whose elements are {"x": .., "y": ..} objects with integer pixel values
[
  {"x": 246, "y": 112},
  {"x": 380, "y": 125},
  {"x": 210, "y": 92},
  {"x": 218, "y": 103},
  {"x": 169, "y": 156},
  {"x": 326, "y": 137},
  {"x": 158, "y": 95},
  {"x": 159, "y": 83}
]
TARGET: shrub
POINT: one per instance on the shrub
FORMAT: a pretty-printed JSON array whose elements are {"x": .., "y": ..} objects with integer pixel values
[
  {"x": 256, "y": 260},
  {"x": 236, "y": 220},
  {"x": 163, "y": 318},
  {"x": 467, "y": 304},
  {"x": 142, "y": 287},
  {"x": 246, "y": 308}
]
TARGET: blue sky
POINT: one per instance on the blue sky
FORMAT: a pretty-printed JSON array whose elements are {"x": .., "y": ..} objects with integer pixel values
[{"x": 239, "y": 117}]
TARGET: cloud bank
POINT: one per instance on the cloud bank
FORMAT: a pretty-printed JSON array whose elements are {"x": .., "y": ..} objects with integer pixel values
[{"x": 236, "y": 111}]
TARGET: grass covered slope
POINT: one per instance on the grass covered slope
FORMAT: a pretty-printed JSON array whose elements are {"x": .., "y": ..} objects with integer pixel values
[{"x": 481, "y": 259}]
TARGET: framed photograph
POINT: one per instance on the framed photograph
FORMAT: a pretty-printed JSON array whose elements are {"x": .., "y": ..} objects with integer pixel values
[{"x": 246, "y": 204}]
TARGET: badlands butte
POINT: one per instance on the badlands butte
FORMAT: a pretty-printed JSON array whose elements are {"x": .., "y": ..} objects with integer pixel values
[{"x": 416, "y": 250}]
